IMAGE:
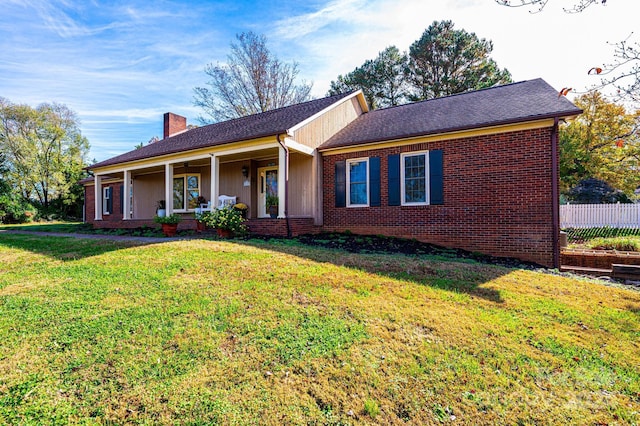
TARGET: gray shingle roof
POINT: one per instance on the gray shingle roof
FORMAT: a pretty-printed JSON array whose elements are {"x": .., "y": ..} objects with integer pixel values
[
  {"x": 254, "y": 126},
  {"x": 512, "y": 103}
]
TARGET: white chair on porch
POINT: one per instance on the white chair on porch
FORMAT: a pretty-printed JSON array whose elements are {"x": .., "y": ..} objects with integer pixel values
[
  {"x": 226, "y": 201},
  {"x": 205, "y": 207}
]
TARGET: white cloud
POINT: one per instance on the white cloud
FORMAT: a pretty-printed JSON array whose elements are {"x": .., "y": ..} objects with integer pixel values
[{"x": 308, "y": 23}]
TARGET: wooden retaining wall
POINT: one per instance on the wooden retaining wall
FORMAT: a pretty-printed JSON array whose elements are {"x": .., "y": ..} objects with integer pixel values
[{"x": 598, "y": 259}]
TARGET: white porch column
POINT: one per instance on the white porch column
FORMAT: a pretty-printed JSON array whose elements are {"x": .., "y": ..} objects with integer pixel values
[
  {"x": 282, "y": 177},
  {"x": 215, "y": 181},
  {"x": 125, "y": 196},
  {"x": 168, "y": 187},
  {"x": 97, "y": 182}
]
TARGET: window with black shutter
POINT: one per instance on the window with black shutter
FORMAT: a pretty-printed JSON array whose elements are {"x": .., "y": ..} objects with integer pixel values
[{"x": 416, "y": 178}]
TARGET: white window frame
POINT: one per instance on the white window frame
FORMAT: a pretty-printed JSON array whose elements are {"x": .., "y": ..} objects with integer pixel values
[
  {"x": 426, "y": 178},
  {"x": 105, "y": 200},
  {"x": 348, "y": 187},
  {"x": 186, "y": 176}
]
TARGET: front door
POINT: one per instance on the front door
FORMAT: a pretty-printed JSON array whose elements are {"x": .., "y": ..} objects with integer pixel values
[{"x": 267, "y": 189}]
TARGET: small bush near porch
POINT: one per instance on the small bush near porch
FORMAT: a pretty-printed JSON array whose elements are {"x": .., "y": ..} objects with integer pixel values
[{"x": 209, "y": 332}]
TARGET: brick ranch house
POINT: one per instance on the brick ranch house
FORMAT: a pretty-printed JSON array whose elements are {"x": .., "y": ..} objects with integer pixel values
[{"x": 477, "y": 171}]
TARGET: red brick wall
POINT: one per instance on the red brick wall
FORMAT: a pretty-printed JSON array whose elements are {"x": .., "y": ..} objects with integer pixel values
[
  {"x": 114, "y": 220},
  {"x": 497, "y": 197},
  {"x": 278, "y": 227},
  {"x": 89, "y": 204},
  {"x": 272, "y": 227},
  {"x": 173, "y": 123}
]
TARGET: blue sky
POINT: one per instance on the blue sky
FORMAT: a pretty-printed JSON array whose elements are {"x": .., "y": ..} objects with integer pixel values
[{"x": 120, "y": 65}]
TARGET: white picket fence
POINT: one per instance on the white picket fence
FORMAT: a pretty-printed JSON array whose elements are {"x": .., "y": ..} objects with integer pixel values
[{"x": 597, "y": 215}]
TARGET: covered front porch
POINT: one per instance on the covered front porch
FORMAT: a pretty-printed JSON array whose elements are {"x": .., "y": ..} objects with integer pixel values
[{"x": 258, "y": 175}]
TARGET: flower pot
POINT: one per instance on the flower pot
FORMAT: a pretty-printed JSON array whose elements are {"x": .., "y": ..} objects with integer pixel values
[
  {"x": 169, "y": 229},
  {"x": 161, "y": 212},
  {"x": 224, "y": 233},
  {"x": 273, "y": 211},
  {"x": 200, "y": 226}
]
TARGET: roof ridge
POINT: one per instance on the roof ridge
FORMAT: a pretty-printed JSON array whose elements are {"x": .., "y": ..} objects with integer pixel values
[
  {"x": 272, "y": 111},
  {"x": 458, "y": 94},
  {"x": 516, "y": 102}
]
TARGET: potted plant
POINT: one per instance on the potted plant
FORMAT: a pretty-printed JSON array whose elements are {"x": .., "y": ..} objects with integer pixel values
[
  {"x": 201, "y": 219},
  {"x": 161, "y": 210},
  {"x": 169, "y": 223},
  {"x": 228, "y": 222},
  {"x": 272, "y": 205},
  {"x": 242, "y": 208}
]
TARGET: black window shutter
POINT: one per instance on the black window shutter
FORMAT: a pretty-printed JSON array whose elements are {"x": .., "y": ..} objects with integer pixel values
[
  {"x": 374, "y": 181},
  {"x": 341, "y": 183},
  {"x": 436, "y": 177},
  {"x": 394, "y": 179},
  {"x": 110, "y": 200},
  {"x": 122, "y": 199}
]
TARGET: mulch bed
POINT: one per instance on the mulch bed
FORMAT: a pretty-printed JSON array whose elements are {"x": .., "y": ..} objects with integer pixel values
[{"x": 381, "y": 244}]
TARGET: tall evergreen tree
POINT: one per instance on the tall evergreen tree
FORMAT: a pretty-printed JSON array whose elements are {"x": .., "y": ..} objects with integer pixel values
[
  {"x": 442, "y": 62},
  {"x": 446, "y": 61},
  {"x": 382, "y": 79}
]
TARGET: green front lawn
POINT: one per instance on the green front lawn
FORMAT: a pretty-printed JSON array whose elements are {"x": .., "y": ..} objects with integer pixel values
[{"x": 253, "y": 332}]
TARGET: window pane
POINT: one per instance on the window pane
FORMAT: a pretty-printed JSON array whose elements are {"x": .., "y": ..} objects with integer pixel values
[
  {"x": 415, "y": 179},
  {"x": 358, "y": 183},
  {"x": 193, "y": 192},
  {"x": 192, "y": 182},
  {"x": 358, "y": 193},
  {"x": 178, "y": 193},
  {"x": 193, "y": 195},
  {"x": 271, "y": 178}
]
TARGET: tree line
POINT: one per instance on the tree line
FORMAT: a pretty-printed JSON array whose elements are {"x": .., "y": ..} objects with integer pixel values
[
  {"x": 443, "y": 61},
  {"x": 42, "y": 156}
]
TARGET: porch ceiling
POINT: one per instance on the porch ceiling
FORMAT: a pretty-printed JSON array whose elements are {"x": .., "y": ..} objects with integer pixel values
[{"x": 262, "y": 154}]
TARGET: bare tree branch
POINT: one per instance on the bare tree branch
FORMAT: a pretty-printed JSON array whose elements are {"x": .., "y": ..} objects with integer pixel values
[
  {"x": 253, "y": 80},
  {"x": 538, "y": 5}
]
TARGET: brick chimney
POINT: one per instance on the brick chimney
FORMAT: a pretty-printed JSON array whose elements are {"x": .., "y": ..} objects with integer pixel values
[{"x": 173, "y": 124}]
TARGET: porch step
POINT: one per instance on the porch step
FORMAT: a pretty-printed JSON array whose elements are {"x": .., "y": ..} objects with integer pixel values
[{"x": 583, "y": 270}]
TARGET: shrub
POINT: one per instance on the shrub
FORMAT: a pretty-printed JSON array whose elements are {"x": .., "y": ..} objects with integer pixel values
[
  {"x": 229, "y": 219},
  {"x": 14, "y": 210},
  {"x": 618, "y": 243},
  {"x": 172, "y": 219}
]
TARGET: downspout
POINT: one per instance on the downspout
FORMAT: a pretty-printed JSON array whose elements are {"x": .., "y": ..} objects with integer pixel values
[
  {"x": 286, "y": 184},
  {"x": 555, "y": 194}
]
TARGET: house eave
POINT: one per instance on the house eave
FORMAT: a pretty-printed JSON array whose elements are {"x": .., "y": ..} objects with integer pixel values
[
  {"x": 181, "y": 156},
  {"x": 444, "y": 135}
]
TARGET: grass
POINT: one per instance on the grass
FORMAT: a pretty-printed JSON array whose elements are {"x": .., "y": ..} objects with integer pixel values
[
  {"x": 614, "y": 243},
  {"x": 210, "y": 332},
  {"x": 85, "y": 228},
  {"x": 55, "y": 226},
  {"x": 606, "y": 238}
]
